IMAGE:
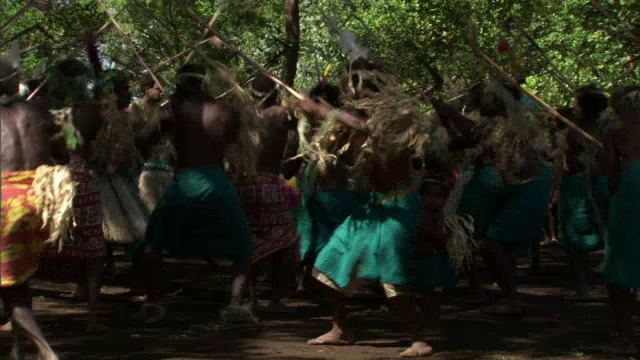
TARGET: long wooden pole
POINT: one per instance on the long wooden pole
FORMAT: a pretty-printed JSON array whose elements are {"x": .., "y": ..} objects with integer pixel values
[
  {"x": 554, "y": 70},
  {"x": 124, "y": 35},
  {"x": 204, "y": 34},
  {"x": 547, "y": 107},
  {"x": 259, "y": 67},
  {"x": 34, "y": 92}
]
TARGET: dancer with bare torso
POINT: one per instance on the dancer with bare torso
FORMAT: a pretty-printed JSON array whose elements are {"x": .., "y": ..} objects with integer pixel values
[
  {"x": 26, "y": 131},
  {"x": 200, "y": 214},
  {"x": 264, "y": 198}
]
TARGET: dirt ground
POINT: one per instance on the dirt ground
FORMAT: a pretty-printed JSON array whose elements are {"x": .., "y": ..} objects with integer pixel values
[{"x": 553, "y": 328}]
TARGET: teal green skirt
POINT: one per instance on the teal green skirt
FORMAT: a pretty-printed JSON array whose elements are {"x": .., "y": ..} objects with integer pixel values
[
  {"x": 482, "y": 199},
  {"x": 435, "y": 271},
  {"x": 579, "y": 210},
  {"x": 376, "y": 242},
  {"x": 522, "y": 216},
  {"x": 200, "y": 215},
  {"x": 622, "y": 245},
  {"x": 319, "y": 215}
]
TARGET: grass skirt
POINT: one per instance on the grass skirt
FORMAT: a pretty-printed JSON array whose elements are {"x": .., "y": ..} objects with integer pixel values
[
  {"x": 88, "y": 238},
  {"x": 124, "y": 215},
  {"x": 201, "y": 215},
  {"x": 153, "y": 182},
  {"x": 622, "y": 244}
]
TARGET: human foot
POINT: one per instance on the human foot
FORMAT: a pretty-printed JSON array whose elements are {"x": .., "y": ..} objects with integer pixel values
[
  {"x": 6, "y": 327},
  {"x": 417, "y": 349},
  {"x": 333, "y": 337}
]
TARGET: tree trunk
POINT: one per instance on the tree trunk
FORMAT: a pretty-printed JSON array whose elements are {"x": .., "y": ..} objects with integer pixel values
[{"x": 292, "y": 18}]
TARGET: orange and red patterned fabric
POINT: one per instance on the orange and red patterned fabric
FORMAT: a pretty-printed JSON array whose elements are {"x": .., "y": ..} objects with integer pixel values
[{"x": 23, "y": 238}]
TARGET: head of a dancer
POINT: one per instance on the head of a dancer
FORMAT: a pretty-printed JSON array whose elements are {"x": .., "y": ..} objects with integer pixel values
[
  {"x": 590, "y": 103},
  {"x": 363, "y": 79},
  {"x": 190, "y": 81},
  {"x": 264, "y": 90},
  {"x": 625, "y": 102},
  {"x": 327, "y": 92},
  {"x": 150, "y": 89},
  {"x": 9, "y": 77},
  {"x": 494, "y": 98},
  {"x": 118, "y": 80},
  {"x": 69, "y": 83}
]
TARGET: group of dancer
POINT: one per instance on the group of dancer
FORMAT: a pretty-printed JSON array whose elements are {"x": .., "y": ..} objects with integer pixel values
[{"x": 388, "y": 193}]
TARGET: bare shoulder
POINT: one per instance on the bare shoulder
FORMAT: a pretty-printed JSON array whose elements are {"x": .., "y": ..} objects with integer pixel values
[
  {"x": 276, "y": 115},
  {"x": 218, "y": 107}
]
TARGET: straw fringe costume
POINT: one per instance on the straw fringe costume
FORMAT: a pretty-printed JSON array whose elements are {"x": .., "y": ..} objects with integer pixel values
[
  {"x": 377, "y": 240},
  {"x": 505, "y": 205},
  {"x": 65, "y": 261}
]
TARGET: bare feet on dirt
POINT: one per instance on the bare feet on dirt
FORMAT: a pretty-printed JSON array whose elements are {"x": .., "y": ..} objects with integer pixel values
[
  {"x": 417, "y": 349},
  {"x": 333, "y": 337}
]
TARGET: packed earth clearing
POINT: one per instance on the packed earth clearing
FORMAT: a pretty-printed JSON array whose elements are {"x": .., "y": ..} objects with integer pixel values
[{"x": 553, "y": 328}]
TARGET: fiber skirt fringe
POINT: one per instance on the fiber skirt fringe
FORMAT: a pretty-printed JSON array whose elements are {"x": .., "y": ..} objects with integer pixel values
[{"x": 124, "y": 215}]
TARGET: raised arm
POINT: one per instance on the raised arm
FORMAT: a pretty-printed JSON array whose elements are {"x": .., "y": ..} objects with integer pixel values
[
  {"x": 460, "y": 128},
  {"x": 325, "y": 110}
]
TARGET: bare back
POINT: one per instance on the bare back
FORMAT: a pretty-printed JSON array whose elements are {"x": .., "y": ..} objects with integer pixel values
[
  {"x": 274, "y": 134},
  {"x": 26, "y": 132},
  {"x": 202, "y": 129}
]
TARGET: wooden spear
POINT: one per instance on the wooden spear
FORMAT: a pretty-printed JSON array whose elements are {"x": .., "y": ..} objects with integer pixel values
[
  {"x": 554, "y": 70},
  {"x": 124, "y": 35},
  {"x": 259, "y": 67},
  {"x": 547, "y": 107},
  {"x": 38, "y": 88},
  {"x": 204, "y": 35}
]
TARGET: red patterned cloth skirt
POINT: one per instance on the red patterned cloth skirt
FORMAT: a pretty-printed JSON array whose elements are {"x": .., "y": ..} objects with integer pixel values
[
  {"x": 267, "y": 207},
  {"x": 23, "y": 238},
  {"x": 88, "y": 242}
]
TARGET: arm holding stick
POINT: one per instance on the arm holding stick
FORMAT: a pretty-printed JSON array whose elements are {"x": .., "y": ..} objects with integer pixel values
[
  {"x": 547, "y": 107},
  {"x": 325, "y": 111}
]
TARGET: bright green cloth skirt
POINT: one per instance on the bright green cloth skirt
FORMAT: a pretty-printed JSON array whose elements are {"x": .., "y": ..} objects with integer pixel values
[
  {"x": 376, "y": 242},
  {"x": 319, "y": 215},
  {"x": 482, "y": 198},
  {"x": 578, "y": 210},
  {"x": 622, "y": 245},
  {"x": 200, "y": 215},
  {"x": 512, "y": 214}
]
